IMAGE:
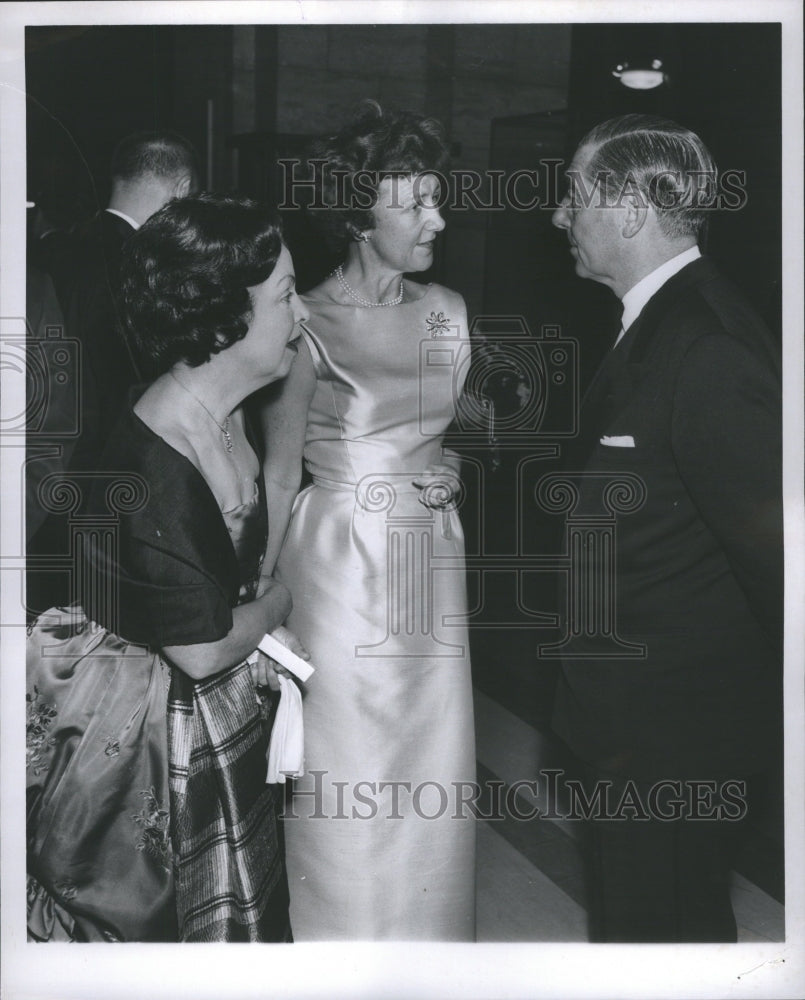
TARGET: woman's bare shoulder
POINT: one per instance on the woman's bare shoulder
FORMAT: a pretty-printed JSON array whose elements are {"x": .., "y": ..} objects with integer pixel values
[
  {"x": 324, "y": 292},
  {"x": 445, "y": 300},
  {"x": 435, "y": 294}
]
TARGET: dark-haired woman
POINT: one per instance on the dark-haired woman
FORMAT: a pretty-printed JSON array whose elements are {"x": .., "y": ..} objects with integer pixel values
[
  {"x": 149, "y": 818},
  {"x": 383, "y": 847}
]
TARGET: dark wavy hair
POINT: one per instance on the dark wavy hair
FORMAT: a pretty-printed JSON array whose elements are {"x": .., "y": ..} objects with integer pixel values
[
  {"x": 373, "y": 143},
  {"x": 186, "y": 274}
]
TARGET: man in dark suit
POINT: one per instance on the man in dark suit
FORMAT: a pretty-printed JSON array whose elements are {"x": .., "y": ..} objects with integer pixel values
[
  {"x": 148, "y": 170},
  {"x": 686, "y": 408}
]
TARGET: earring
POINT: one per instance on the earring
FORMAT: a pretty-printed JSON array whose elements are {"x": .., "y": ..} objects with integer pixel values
[{"x": 363, "y": 237}]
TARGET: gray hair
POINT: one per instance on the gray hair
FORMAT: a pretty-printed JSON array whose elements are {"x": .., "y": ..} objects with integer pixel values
[{"x": 660, "y": 161}]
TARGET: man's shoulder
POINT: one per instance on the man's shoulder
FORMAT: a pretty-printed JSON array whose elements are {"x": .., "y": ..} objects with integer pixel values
[
  {"x": 97, "y": 251},
  {"x": 703, "y": 286},
  {"x": 733, "y": 309},
  {"x": 102, "y": 234},
  {"x": 701, "y": 301}
]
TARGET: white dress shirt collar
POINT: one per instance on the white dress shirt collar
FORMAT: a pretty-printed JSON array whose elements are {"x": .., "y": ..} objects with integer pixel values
[
  {"x": 126, "y": 218},
  {"x": 639, "y": 294}
]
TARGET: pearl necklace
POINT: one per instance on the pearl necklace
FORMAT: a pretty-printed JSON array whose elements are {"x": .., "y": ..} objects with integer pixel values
[
  {"x": 366, "y": 303},
  {"x": 223, "y": 428}
]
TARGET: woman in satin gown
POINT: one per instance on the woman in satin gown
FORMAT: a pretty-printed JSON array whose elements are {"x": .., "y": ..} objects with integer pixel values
[
  {"x": 149, "y": 817},
  {"x": 379, "y": 844}
]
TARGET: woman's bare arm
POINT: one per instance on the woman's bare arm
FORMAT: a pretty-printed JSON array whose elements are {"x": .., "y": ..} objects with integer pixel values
[
  {"x": 250, "y": 622},
  {"x": 283, "y": 416}
]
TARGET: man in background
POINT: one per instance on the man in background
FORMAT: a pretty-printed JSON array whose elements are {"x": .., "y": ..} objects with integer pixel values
[{"x": 148, "y": 170}]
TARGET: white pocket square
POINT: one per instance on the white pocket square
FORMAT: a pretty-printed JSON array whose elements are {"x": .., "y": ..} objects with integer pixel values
[{"x": 624, "y": 441}]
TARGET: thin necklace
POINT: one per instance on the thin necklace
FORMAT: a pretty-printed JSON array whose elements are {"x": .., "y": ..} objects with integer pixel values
[
  {"x": 223, "y": 428},
  {"x": 342, "y": 281}
]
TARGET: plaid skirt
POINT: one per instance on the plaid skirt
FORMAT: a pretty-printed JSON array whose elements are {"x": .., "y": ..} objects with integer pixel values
[
  {"x": 228, "y": 852},
  {"x": 149, "y": 818}
]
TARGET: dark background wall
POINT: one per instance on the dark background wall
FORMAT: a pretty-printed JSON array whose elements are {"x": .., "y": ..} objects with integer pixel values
[
  {"x": 509, "y": 96},
  {"x": 245, "y": 92}
]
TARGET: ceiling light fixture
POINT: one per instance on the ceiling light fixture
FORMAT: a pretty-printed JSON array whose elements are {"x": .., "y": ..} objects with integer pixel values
[{"x": 641, "y": 77}]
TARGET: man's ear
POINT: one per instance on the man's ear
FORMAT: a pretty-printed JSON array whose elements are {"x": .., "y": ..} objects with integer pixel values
[
  {"x": 183, "y": 186},
  {"x": 635, "y": 213}
]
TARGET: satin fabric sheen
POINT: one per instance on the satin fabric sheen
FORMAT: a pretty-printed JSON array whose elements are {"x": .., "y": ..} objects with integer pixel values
[
  {"x": 100, "y": 857},
  {"x": 379, "y": 595}
]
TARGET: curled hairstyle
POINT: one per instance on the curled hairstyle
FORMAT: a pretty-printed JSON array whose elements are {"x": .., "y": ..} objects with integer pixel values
[
  {"x": 665, "y": 164},
  {"x": 349, "y": 166},
  {"x": 162, "y": 154},
  {"x": 186, "y": 275}
]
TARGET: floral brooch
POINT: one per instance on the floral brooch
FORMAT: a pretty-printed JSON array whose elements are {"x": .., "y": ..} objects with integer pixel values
[{"x": 437, "y": 324}]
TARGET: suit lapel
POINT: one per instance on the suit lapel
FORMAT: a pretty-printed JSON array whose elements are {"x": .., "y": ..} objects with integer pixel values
[
  {"x": 597, "y": 400},
  {"x": 619, "y": 372}
]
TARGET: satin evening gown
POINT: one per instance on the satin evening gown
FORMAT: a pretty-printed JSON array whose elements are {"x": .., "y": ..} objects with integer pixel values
[{"x": 378, "y": 844}]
